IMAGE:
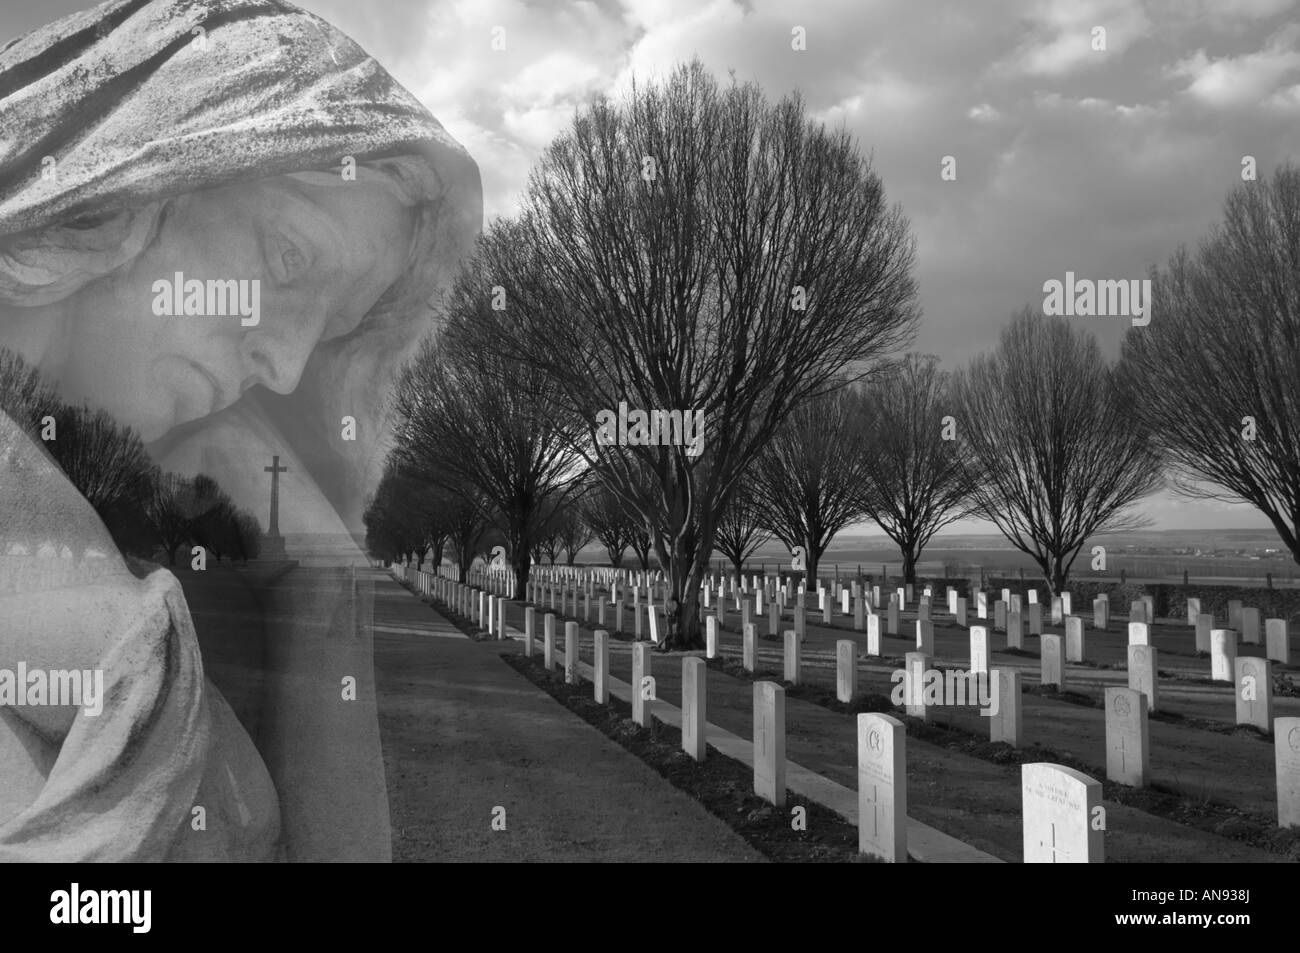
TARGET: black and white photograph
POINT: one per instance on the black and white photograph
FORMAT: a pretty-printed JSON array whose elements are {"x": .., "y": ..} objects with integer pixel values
[{"x": 651, "y": 431}]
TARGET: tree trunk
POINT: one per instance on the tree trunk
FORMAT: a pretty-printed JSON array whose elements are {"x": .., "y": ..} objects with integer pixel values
[
  {"x": 909, "y": 564},
  {"x": 811, "y": 560},
  {"x": 521, "y": 566}
]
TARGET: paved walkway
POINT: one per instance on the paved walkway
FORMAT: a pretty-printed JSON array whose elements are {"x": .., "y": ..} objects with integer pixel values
[
  {"x": 925, "y": 843},
  {"x": 463, "y": 733}
]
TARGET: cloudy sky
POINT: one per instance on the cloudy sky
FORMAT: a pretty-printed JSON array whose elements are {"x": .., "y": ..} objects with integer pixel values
[{"x": 1068, "y": 158}]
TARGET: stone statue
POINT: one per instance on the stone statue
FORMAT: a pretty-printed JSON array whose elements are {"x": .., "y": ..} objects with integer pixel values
[{"x": 226, "y": 225}]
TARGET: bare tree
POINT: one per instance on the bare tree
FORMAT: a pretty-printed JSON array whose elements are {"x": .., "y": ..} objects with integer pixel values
[
  {"x": 741, "y": 530},
  {"x": 808, "y": 481},
  {"x": 169, "y": 509},
  {"x": 697, "y": 250},
  {"x": 105, "y": 461},
  {"x": 574, "y": 534},
  {"x": 24, "y": 394},
  {"x": 1215, "y": 376},
  {"x": 641, "y": 544},
  {"x": 605, "y": 513},
  {"x": 914, "y": 480},
  {"x": 1054, "y": 451},
  {"x": 469, "y": 416}
]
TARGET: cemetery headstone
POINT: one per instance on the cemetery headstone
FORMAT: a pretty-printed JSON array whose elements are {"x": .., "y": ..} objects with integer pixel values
[
  {"x": 1143, "y": 673},
  {"x": 882, "y": 787},
  {"x": 1059, "y": 807},
  {"x": 1127, "y": 750},
  {"x": 769, "y": 742}
]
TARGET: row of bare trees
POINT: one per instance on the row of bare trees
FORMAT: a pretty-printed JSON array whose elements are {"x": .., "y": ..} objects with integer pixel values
[
  {"x": 149, "y": 513},
  {"x": 698, "y": 249}
]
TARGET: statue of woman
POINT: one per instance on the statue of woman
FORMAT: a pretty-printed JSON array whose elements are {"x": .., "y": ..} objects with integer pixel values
[{"x": 152, "y": 150}]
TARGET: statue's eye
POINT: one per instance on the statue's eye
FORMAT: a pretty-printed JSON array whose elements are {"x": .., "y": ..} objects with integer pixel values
[{"x": 294, "y": 263}]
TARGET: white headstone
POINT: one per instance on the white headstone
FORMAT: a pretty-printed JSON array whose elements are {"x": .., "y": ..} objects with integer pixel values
[
  {"x": 1000, "y": 615},
  {"x": 601, "y": 687},
  {"x": 1051, "y": 664},
  {"x": 1223, "y": 650},
  {"x": 1277, "y": 645},
  {"x": 1005, "y": 724},
  {"x": 846, "y": 670},
  {"x": 916, "y": 664},
  {"x": 792, "y": 660},
  {"x": 1143, "y": 674},
  {"x": 979, "y": 648},
  {"x": 925, "y": 636},
  {"x": 548, "y": 643},
  {"x": 749, "y": 649},
  {"x": 694, "y": 706},
  {"x": 873, "y": 634},
  {"x": 642, "y": 683},
  {"x": 1035, "y": 619},
  {"x": 882, "y": 787},
  {"x": 1254, "y": 678},
  {"x": 1015, "y": 631},
  {"x": 1204, "y": 623},
  {"x": 1193, "y": 610},
  {"x": 892, "y": 620},
  {"x": 571, "y": 653},
  {"x": 1073, "y": 638},
  {"x": 1060, "y": 807},
  {"x": 1101, "y": 612},
  {"x": 1139, "y": 633},
  {"x": 769, "y": 742},
  {"x": 1057, "y": 610},
  {"x": 711, "y": 636},
  {"x": 1286, "y": 760},
  {"x": 530, "y": 630},
  {"x": 1127, "y": 749},
  {"x": 1137, "y": 611}
]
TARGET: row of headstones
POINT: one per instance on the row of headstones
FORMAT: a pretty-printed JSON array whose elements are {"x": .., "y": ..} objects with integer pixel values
[
  {"x": 882, "y": 801},
  {"x": 1127, "y": 737},
  {"x": 881, "y": 739}
]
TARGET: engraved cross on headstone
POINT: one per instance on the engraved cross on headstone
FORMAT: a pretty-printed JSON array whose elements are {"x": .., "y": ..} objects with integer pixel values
[
  {"x": 1052, "y": 847},
  {"x": 875, "y": 812}
]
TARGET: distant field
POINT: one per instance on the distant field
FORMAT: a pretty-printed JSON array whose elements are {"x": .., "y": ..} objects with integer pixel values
[{"x": 967, "y": 555}]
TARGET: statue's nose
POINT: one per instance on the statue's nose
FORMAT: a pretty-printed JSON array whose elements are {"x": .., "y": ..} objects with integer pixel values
[{"x": 274, "y": 356}]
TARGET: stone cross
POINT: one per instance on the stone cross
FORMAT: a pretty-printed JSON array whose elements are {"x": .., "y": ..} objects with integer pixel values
[{"x": 273, "y": 529}]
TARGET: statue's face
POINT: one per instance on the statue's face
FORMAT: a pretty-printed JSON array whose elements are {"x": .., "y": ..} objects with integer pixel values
[{"x": 323, "y": 255}]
